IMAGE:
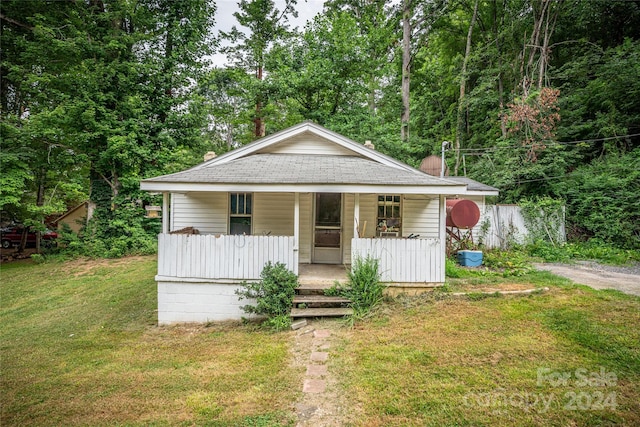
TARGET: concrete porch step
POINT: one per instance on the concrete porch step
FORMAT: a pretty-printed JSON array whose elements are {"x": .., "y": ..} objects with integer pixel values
[
  {"x": 321, "y": 312},
  {"x": 319, "y": 299},
  {"x": 313, "y": 288}
]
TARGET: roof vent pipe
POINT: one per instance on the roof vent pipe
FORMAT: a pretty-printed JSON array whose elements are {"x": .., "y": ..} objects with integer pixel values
[
  {"x": 369, "y": 145},
  {"x": 210, "y": 155},
  {"x": 444, "y": 145}
]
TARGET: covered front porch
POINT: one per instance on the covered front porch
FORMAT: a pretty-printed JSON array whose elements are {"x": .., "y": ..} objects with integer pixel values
[{"x": 233, "y": 259}]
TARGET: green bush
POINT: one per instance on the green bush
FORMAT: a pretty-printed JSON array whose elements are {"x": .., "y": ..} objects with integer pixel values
[
  {"x": 273, "y": 295},
  {"x": 594, "y": 249},
  {"x": 602, "y": 199},
  {"x": 363, "y": 288},
  {"x": 453, "y": 270},
  {"x": 511, "y": 263}
]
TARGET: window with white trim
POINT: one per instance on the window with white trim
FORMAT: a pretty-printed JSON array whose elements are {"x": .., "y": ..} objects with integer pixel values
[
  {"x": 389, "y": 215},
  {"x": 240, "y": 213}
]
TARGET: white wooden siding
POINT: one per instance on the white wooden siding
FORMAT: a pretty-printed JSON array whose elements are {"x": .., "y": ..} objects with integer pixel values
[
  {"x": 273, "y": 214},
  {"x": 223, "y": 257},
  {"x": 207, "y": 212},
  {"x": 404, "y": 260},
  {"x": 368, "y": 214},
  {"x": 307, "y": 143},
  {"x": 420, "y": 216}
]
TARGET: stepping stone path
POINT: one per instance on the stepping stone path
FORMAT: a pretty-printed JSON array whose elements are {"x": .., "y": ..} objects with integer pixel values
[
  {"x": 316, "y": 369},
  {"x": 318, "y": 407}
]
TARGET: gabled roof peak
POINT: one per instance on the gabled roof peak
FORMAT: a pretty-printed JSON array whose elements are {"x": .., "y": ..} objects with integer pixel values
[{"x": 307, "y": 126}]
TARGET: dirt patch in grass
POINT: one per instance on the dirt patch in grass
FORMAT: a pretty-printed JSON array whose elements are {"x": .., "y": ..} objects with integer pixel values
[
  {"x": 83, "y": 266},
  {"x": 498, "y": 287}
]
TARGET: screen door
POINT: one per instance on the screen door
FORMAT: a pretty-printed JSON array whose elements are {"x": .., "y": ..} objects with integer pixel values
[{"x": 327, "y": 233}]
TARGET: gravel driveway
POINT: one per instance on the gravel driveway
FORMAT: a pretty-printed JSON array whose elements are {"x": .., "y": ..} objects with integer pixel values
[{"x": 599, "y": 276}]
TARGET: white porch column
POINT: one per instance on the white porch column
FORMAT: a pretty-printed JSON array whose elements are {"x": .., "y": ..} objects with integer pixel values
[
  {"x": 165, "y": 213},
  {"x": 296, "y": 222},
  {"x": 442, "y": 233},
  {"x": 356, "y": 214}
]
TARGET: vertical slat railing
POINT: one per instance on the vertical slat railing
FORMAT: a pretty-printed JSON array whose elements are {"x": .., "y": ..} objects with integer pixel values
[
  {"x": 222, "y": 257},
  {"x": 403, "y": 260}
]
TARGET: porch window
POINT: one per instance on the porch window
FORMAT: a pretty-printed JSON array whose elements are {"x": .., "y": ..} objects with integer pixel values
[
  {"x": 240, "y": 213},
  {"x": 389, "y": 215}
]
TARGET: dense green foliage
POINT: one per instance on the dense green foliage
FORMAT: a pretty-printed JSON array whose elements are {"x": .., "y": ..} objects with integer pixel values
[
  {"x": 273, "y": 295},
  {"x": 363, "y": 287},
  {"x": 95, "y": 96},
  {"x": 541, "y": 97},
  {"x": 594, "y": 249}
]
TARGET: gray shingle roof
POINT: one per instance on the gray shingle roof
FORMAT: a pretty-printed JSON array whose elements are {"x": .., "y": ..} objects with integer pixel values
[
  {"x": 302, "y": 169},
  {"x": 472, "y": 185}
]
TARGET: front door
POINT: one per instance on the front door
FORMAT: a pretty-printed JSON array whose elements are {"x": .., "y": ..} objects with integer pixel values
[{"x": 327, "y": 231}]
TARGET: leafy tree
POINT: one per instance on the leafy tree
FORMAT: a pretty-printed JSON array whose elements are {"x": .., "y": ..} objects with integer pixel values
[
  {"x": 320, "y": 71},
  {"x": 266, "y": 25},
  {"x": 100, "y": 89},
  {"x": 39, "y": 167},
  {"x": 227, "y": 102}
]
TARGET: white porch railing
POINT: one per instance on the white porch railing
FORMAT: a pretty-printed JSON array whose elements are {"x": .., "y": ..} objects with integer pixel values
[
  {"x": 223, "y": 257},
  {"x": 404, "y": 260}
]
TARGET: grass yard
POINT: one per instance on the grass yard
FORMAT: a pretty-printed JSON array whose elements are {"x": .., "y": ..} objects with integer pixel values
[
  {"x": 80, "y": 346},
  {"x": 569, "y": 357}
]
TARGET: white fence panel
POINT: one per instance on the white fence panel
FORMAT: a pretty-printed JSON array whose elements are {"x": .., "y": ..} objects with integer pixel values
[
  {"x": 503, "y": 226},
  {"x": 222, "y": 257},
  {"x": 403, "y": 260}
]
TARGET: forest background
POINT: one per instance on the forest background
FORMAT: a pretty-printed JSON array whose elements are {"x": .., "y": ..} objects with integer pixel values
[{"x": 540, "y": 98}]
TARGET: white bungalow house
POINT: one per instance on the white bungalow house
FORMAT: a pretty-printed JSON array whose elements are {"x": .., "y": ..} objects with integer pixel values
[{"x": 305, "y": 195}]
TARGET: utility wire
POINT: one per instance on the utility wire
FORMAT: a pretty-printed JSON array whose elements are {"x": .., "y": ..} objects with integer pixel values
[{"x": 581, "y": 141}]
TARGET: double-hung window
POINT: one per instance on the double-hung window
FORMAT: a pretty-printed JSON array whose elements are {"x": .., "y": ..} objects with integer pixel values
[
  {"x": 240, "y": 213},
  {"x": 389, "y": 215}
]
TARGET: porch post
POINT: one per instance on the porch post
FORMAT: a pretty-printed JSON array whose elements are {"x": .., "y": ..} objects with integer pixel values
[
  {"x": 165, "y": 213},
  {"x": 296, "y": 221},
  {"x": 356, "y": 214},
  {"x": 443, "y": 235}
]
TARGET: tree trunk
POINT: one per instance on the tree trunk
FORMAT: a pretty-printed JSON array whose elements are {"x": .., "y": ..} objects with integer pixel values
[
  {"x": 463, "y": 83},
  {"x": 40, "y": 202},
  {"x": 406, "y": 69},
  {"x": 496, "y": 33},
  {"x": 371, "y": 101},
  {"x": 544, "y": 49},
  {"x": 23, "y": 240},
  {"x": 259, "y": 130},
  {"x": 229, "y": 138}
]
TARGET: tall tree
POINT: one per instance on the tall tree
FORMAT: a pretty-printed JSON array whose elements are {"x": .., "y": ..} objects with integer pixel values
[
  {"x": 376, "y": 27},
  {"x": 406, "y": 69},
  {"x": 91, "y": 79},
  {"x": 463, "y": 84},
  {"x": 417, "y": 18},
  {"x": 266, "y": 25}
]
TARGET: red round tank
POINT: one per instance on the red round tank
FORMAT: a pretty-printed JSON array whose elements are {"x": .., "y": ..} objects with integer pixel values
[{"x": 462, "y": 213}]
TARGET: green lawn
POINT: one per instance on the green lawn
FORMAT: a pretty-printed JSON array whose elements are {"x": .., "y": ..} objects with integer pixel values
[
  {"x": 80, "y": 346},
  {"x": 496, "y": 361}
]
